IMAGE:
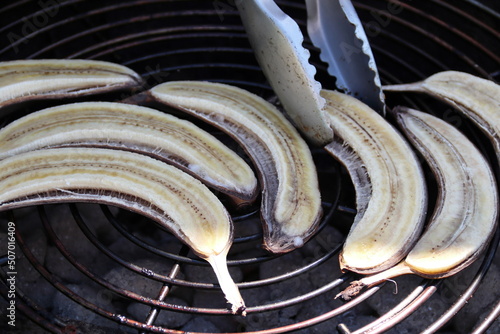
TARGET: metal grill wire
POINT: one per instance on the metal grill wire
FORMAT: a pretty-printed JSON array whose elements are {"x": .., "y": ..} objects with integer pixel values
[{"x": 96, "y": 261}]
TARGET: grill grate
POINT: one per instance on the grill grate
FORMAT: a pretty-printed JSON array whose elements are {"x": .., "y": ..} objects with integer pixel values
[{"x": 89, "y": 268}]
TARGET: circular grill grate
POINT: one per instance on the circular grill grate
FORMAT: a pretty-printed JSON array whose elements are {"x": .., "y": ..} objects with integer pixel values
[{"x": 89, "y": 268}]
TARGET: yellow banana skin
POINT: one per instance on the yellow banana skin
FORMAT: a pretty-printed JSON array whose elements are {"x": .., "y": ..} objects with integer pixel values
[
  {"x": 391, "y": 194},
  {"x": 133, "y": 181},
  {"x": 466, "y": 213},
  {"x": 138, "y": 129},
  {"x": 291, "y": 202},
  {"x": 23, "y": 80},
  {"x": 476, "y": 98}
]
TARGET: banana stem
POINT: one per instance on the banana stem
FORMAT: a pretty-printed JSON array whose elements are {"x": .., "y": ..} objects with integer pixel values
[
  {"x": 367, "y": 282},
  {"x": 400, "y": 269},
  {"x": 231, "y": 291},
  {"x": 412, "y": 87}
]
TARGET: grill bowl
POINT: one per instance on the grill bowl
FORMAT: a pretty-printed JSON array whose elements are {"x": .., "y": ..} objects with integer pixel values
[{"x": 90, "y": 268}]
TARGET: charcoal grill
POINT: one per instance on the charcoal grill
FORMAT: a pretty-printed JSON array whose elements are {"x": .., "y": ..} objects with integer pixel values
[{"x": 97, "y": 269}]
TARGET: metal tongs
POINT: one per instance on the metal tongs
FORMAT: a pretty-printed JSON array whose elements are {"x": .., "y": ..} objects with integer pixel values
[{"x": 334, "y": 27}]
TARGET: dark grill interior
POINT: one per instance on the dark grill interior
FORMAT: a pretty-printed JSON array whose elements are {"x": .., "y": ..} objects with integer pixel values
[{"x": 87, "y": 268}]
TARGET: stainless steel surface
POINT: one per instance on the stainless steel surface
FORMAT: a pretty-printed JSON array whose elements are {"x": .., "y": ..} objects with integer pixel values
[
  {"x": 334, "y": 27},
  {"x": 277, "y": 43}
]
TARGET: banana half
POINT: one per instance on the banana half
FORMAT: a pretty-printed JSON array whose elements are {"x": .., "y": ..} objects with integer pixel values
[
  {"x": 137, "y": 129},
  {"x": 476, "y": 98},
  {"x": 133, "y": 181},
  {"x": 466, "y": 215},
  {"x": 23, "y": 80},
  {"x": 291, "y": 202},
  {"x": 391, "y": 196},
  {"x": 466, "y": 212}
]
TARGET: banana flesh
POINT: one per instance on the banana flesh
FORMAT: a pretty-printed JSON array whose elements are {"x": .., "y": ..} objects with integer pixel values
[
  {"x": 291, "y": 202},
  {"x": 133, "y": 181},
  {"x": 391, "y": 195},
  {"x": 467, "y": 209},
  {"x": 466, "y": 213},
  {"x": 23, "y": 80},
  {"x": 477, "y": 98},
  {"x": 138, "y": 129}
]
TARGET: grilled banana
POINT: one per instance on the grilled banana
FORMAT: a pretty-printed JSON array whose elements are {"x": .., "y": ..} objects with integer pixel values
[
  {"x": 137, "y": 129},
  {"x": 476, "y": 98},
  {"x": 161, "y": 192},
  {"x": 466, "y": 213},
  {"x": 23, "y": 80},
  {"x": 391, "y": 196},
  {"x": 291, "y": 203}
]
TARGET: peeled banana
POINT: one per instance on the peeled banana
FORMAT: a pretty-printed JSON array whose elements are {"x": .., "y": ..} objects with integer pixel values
[
  {"x": 138, "y": 129},
  {"x": 466, "y": 213},
  {"x": 133, "y": 181},
  {"x": 23, "y": 80},
  {"x": 391, "y": 194},
  {"x": 476, "y": 98},
  {"x": 291, "y": 202}
]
